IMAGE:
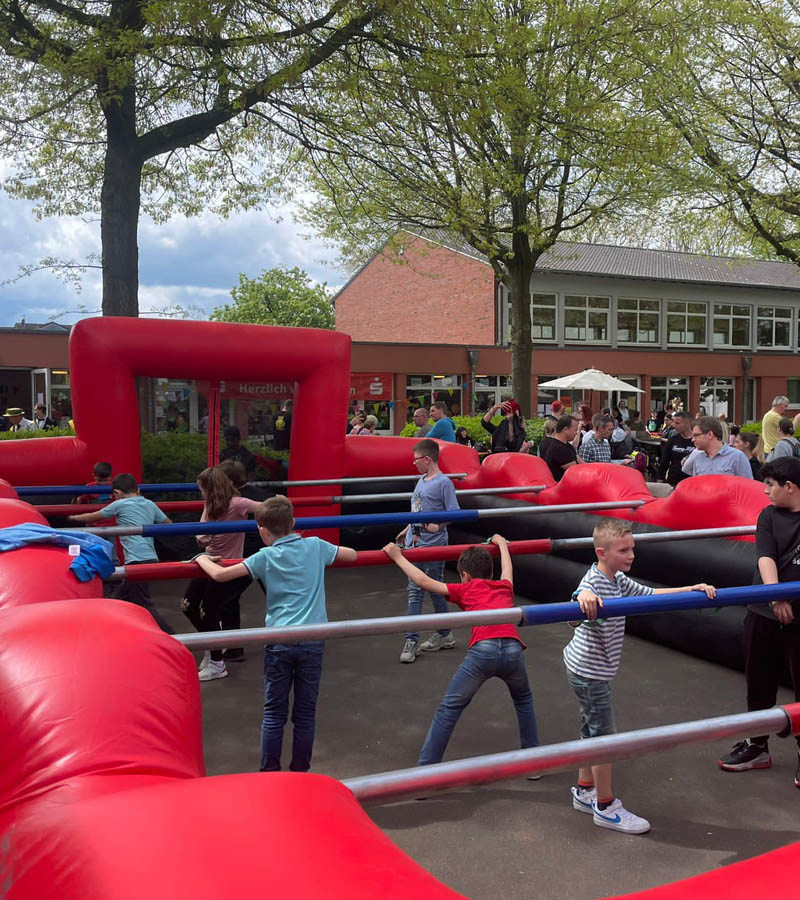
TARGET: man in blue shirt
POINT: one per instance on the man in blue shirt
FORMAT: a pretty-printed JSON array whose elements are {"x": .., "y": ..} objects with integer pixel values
[
  {"x": 710, "y": 456},
  {"x": 444, "y": 428},
  {"x": 292, "y": 569}
]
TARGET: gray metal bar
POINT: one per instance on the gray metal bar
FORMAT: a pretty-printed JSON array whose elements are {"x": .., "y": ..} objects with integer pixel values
[
  {"x": 370, "y": 498},
  {"x": 292, "y": 634},
  {"x": 655, "y": 537},
  {"x": 314, "y": 482},
  {"x": 425, "y": 780},
  {"x": 560, "y": 507}
]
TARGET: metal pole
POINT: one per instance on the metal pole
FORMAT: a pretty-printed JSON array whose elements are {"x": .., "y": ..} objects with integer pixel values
[
  {"x": 541, "y": 614},
  {"x": 40, "y": 490},
  {"x": 422, "y": 780},
  {"x": 371, "y": 498},
  {"x": 655, "y": 537},
  {"x": 169, "y": 571},
  {"x": 357, "y": 521}
]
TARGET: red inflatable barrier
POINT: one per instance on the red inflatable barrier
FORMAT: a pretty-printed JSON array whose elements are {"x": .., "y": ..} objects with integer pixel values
[
  {"x": 501, "y": 469},
  {"x": 597, "y": 482},
  {"x": 7, "y": 492}
]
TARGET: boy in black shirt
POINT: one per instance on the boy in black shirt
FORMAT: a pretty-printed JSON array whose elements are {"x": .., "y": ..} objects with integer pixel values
[
  {"x": 559, "y": 454},
  {"x": 772, "y": 630}
]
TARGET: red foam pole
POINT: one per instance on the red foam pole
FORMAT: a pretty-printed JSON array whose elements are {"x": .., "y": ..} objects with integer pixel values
[{"x": 174, "y": 570}]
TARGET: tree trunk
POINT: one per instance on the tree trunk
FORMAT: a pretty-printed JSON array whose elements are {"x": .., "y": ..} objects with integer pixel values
[
  {"x": 520, "y": 271},
  {"x": 119, "y": 224}
]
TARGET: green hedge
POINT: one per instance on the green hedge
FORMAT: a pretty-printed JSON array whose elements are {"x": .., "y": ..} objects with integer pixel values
[
  {"x": 29, "y": 435},
  {"x": 534, "y": 429},
  {"x": 755, "y": 427}
]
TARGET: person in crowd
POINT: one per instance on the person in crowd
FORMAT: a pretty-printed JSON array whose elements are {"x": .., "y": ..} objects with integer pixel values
[
  {"x": 369, "y": 427},
  {"x": 769, "y": 424},
  {"x": 235, "y": 450},
  {"x": 676, "y": 449},
  {"x": 283, "y": 426},
  {"x": 787, "y": 444},
  {"x": 710, "y": 455},
  {"x": 726, "y": 428},
  {"x": 509, "y": 435},
  {"x": 207, "y": 604},
  {"x": 734, "y": 430},
  {"x": 444, "y": 428},
  {"x": 637, "y": 426},
  {"x": 462, "y": 436},
  {"x": 556, "y": 409},
  {"x": 101, "y": 472},
  {"x": 652, "y": 422},
  {"x": 421, "y": 421},
  {"x": 15, "y": 416},
  {"x": 586, "y": 417},
  {"x": 356, "y": 422},
  {"x": 41, "y": 420},
  {"x": 130, "y": 508},
  {"x": 495, "y": 651},
  {"x": 592, "y": 659},
  {"x": 549, "y": 433},
  {"x": 292, "y": 568},
  {"x": 621, "y": 441},
  {"x": 771, "y": 630},
  {"x": 677, "y": 404},
  {"x": 668, "y": 426},
  {"x": 434, "y": 492},
  {"x": 624, "y": 412},
  {"x": 596, "y": 448},
  {"x": 752, "y": 446},
  {"x": 616, "y": 415},
  {"x": 559, "y": 453}
]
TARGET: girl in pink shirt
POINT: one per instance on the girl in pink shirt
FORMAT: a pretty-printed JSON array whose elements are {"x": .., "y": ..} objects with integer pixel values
[{"x": 207, "y": 604}]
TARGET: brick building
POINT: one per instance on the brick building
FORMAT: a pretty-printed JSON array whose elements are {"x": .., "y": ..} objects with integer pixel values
[{"x": 429, "y": 321}]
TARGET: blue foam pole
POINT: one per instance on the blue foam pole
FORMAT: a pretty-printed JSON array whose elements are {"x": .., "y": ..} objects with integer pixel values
[
  {"x": 548, "y": 613},
  {"x": 76, "y": 489},
  {"x": 455, "y": 515}
]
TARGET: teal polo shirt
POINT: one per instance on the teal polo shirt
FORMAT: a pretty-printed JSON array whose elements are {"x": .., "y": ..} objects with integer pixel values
[{"x": 293, "y": 572}]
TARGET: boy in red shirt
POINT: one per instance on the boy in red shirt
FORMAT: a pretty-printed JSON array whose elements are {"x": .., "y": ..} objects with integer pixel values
[{"x": 495, "y": 651}]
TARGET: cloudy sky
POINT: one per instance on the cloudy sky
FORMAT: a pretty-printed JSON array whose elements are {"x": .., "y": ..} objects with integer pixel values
[{"x": 191, "y": 262}]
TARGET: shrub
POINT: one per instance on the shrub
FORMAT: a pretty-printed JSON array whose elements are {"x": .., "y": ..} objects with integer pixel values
[
  {"x": 29, "y": 435},
  {"x": 534, "y": 429}
]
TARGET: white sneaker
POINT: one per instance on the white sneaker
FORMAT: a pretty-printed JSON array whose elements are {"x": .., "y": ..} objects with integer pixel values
[
  {"x": 204, "y": 661},
  {"x": 410, "y": 651},
  {"x": 213, "y": 670},
  {"x": 439, "y": 642},
  {"x": 617, "y": 818},
  {"x": 583, "y": 799}
]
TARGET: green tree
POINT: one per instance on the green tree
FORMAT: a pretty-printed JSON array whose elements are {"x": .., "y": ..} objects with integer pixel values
[
  {"x": 732, "y": 96},
  {"x": 118, "y": 105},
  {"x": 280, "y": 296},
  {"x": 510, "y": 124}
]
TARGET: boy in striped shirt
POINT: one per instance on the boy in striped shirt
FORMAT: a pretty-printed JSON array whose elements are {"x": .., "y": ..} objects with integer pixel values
[{"x": 592, "y": 659}]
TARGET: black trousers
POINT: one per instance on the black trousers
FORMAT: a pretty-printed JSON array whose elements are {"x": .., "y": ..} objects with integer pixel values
[
  {"x": 214, "y": 605},
  {"x": 768, "y": 646},
  {"x": 138, "y": 592}
]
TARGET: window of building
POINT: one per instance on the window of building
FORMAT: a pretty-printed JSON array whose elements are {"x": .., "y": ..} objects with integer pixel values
[
  {"x": 686, "y": 323},
  {"x": 422, "y": 390},
  {"x": 543, "y": 317},
  {"x": 638, "y": 321},
  {"x": 731, "y": 325},
  {"x": 773, "y": 326},
  {"x": 631, "y": 398},
  {"x": 716, "y": 397},
  {"x": 489, "y": 390},
  {"x": 663, "y": 390},
  {"x": 793, "y": 391},
  {"x": 586, "y": 319}
]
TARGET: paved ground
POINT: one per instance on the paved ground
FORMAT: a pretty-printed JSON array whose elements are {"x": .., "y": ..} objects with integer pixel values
[{"x": 516, "y": 840}]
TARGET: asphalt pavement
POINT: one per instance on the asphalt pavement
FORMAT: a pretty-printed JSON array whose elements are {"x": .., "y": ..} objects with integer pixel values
[{"x": 523, "y": 839}]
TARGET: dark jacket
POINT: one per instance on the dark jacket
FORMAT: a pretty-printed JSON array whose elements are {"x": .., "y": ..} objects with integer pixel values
[{"x": 504, "y": 441}]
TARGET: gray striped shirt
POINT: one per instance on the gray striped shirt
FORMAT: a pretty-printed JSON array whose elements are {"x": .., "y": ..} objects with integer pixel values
[{"x": 596, "y": 646}]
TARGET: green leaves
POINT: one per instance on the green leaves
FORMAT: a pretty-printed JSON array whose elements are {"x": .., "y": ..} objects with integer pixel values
[{"x": 280, "y": 296}]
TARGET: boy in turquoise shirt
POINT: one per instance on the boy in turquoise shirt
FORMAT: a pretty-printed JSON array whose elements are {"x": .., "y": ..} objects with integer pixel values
[{"x": 292, "y": 569}]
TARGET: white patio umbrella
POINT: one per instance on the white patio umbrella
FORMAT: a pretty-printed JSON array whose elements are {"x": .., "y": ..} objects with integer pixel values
[{"x": 591, "y": 380}]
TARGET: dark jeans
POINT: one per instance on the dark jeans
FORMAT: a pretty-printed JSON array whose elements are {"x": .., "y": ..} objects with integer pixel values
[
  {"x": 492, "y": 658},
  {"x": 138, "y": 592},
  {"x": 288, "y": 666},
  {"x": 214, "y": 605},
  {"x": 767, "y": 644}
]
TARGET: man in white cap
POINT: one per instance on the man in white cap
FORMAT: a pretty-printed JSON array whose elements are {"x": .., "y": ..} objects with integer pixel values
[{"x": 15, "y": 416}]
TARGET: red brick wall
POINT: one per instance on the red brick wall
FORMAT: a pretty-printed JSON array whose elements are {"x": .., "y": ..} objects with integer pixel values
[{"x": 393, "y": 298}]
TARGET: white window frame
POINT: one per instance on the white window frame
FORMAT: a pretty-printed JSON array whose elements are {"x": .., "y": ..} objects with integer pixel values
[
  {"x": 638, "y": 312},
  {"x": 670, "y": 390},
  {"x": 773, "y": 319},
  {"x": 586, "y": 310},
  {"x": 685, "y": 315},
  {"x": 730, "y": 317},
  {"x": 554, "y": 307},
  {"x": 712, "y": 382},
  {"x": 493, "y": 389}
]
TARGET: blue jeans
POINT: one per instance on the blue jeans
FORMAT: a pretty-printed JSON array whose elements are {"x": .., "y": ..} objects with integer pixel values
[
  {"x": 416, "y": 595},
  {"x": 594, "y": 698},
  {"x": 492, "y": 658},
  {"x": 288, "y": 666}
]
